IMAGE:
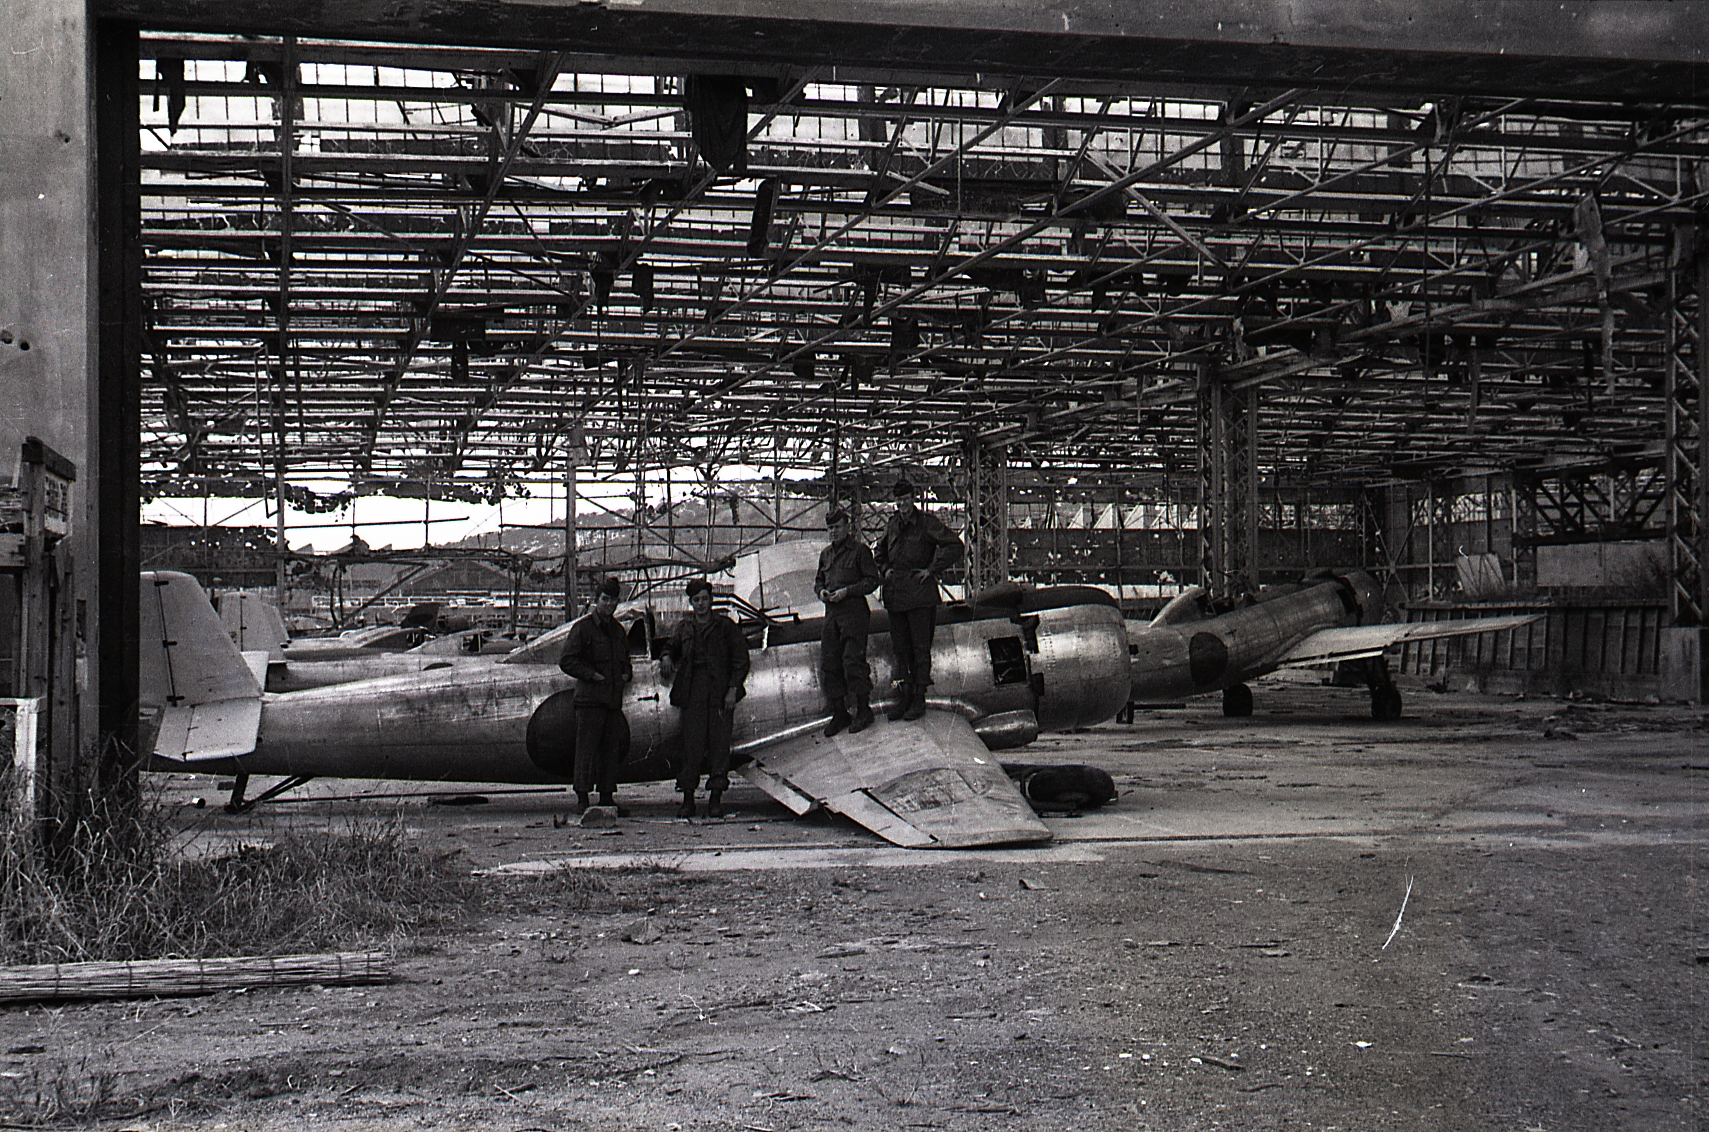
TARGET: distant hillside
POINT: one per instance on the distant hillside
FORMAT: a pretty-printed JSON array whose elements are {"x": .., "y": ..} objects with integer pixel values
[{"x": 738, "y": 522}]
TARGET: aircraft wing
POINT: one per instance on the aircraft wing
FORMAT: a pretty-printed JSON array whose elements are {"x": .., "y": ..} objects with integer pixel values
[
  {"x": 1355, "y": 642},
  {"x": 930, "y": 784}
]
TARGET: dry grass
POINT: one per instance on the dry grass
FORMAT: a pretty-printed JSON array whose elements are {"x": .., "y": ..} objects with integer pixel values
[
  {"x": 58, "y": 1092},
  {"x": 121, "y": 888}
]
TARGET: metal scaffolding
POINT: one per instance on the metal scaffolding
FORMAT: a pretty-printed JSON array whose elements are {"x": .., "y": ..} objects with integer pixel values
[
  {"x": 374, "y": 267},
  {"x": 1687, "y": 441}
]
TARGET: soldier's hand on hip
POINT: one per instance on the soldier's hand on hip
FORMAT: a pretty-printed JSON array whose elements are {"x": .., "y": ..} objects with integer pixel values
[{"x": 922, "y": 575}]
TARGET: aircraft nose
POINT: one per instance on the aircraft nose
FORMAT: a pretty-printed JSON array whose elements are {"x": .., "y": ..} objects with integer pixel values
[{"x": 1083, "y": 659}]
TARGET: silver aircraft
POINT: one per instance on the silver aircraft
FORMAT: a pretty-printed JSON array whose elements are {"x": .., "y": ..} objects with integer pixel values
[
  {"x": 1194, "y": 646},
  {"x": 1041, "y": 660},
  {"x": 362, "y": 654}
]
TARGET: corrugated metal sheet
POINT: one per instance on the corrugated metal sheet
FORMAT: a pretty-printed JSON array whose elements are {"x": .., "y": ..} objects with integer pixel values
[{"x": 1598, "y": 648}]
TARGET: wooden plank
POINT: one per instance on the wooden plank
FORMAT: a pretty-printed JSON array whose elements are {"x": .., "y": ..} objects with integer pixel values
[{"x": 161, "y": 977}]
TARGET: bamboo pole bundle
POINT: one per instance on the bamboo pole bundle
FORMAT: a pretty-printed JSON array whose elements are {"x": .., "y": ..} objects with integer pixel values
[{"x": 168, "y": 977}]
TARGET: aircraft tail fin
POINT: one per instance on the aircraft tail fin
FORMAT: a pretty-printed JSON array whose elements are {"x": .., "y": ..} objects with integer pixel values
[
  {"x": 196, "y": 688},
  {"x": 254, "y": 624}
]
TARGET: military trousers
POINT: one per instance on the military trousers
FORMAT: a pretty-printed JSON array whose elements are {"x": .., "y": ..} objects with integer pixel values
[
  {"x": 911, "y": 633},
  {"x": 843, "y": 670},
  {"x": 705, "y": 737},
  {"x": 600, "y": 733}
]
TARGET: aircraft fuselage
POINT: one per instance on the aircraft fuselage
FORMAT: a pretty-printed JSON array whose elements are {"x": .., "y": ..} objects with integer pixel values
[
  {"x": 1052, "y": 668},
  {"x": 1192, "y": 656}
]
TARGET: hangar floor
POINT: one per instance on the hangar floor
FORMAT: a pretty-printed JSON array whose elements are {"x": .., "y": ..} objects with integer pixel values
[{"x": 1486, "y": 916}]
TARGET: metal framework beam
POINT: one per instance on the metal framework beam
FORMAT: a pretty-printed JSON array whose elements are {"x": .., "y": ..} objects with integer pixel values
[
  {"x": 987, "y": 531},
  {"x": 1688, "y": 428},
  {"x": 1643, "y": 48},
  {"x": 1227, "y": 444}
]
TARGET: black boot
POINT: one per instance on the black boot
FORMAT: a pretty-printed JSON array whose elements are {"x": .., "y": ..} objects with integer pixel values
[
  {"x": 916, "y": 703},
  {"x": 686, "y": 810},
  {"x": 904, "y": 693},
  {"x": 582, "y": 803},
  {"x": 611, "y": 800},
  {"x": 862, "y": 716},
  {"x": 839, "y": 720},
  {"x": 715, "y": 803}
]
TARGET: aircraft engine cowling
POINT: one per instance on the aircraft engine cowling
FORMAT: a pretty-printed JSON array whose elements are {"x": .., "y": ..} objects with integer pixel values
[
  {"x": 1367, "y": 595},
  {"x": 552, "y": 735},
  {"x": 1080, "y": 667}
]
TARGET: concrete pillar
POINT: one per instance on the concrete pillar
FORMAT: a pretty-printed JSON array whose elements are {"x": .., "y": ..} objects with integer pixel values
[
  {"x": 47, "y": 300},
  {"x": 115, "y": 443}
]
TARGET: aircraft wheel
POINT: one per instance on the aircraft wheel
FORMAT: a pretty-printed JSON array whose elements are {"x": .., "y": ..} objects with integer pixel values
[
  {"x": 1385, "y": 702},
  {"x": 1237, "y": 700}
]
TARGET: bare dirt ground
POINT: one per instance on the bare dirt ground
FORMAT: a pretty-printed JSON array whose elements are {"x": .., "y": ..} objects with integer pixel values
[{"x": 1487, "y": 916}]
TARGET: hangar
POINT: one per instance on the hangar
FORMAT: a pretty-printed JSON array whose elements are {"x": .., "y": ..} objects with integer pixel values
[
  {"x": 1149, "y": 294},
  {"x": 1145, "y": 293}
]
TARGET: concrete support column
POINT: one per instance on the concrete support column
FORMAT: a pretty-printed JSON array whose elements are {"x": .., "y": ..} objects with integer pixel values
[
  {"x": 1228, "y": 485},
  {"x": 46, "y": 329},
  {"x": 115, "y": 453}
]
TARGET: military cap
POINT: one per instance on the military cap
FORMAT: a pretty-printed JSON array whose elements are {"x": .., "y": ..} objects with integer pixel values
[
  {"x": 608, "y": 586},
  {"x": 699, "y": 586},
  {"x": 836, "y": 515},
  {"x": 902, "y": 489}
]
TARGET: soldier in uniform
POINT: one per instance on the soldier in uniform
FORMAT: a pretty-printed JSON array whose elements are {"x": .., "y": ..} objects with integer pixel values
[
  {"x": 847, "y": 573},
  {"x": 707, "y": 664},
  {"x": 597, "y": 655},
  {"x": 915, "y": 549}
]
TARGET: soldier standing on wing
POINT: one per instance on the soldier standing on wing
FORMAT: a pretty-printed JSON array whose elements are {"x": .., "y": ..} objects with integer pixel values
[
  {"x": 847, "y": 573},
  {"x": 915, "y": 549}
]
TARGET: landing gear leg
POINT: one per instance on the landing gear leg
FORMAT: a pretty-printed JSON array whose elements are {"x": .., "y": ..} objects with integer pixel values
[
  {"x": 238, "y": 804},
  {"x": 1237, "y": 700},
  {"x": 1385, "y": 697}
]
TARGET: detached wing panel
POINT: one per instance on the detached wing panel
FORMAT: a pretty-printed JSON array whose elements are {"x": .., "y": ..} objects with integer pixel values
[
  {"x": 930, "y": 784},
  {"x": 1356, "y": 642}
]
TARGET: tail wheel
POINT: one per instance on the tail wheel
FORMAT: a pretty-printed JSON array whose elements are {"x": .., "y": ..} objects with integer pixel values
[
  {"x": 1237, "y": 700},
  {"x": 1385, "y": 702}
]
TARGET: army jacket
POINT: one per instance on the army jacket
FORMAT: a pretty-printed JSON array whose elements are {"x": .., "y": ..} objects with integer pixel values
[
  {"x": 716, "y": 648},
  {"x": 911, "y": 543},
  {"x": 597, "y": 645},
  {"x": 847, "y": 564}
]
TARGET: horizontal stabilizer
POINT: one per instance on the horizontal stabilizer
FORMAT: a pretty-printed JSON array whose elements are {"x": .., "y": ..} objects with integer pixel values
[
  {"x": 930, "y": 783},
  {"x": 218, "y": 730},
  {"x": 1355, "y": 642}
]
